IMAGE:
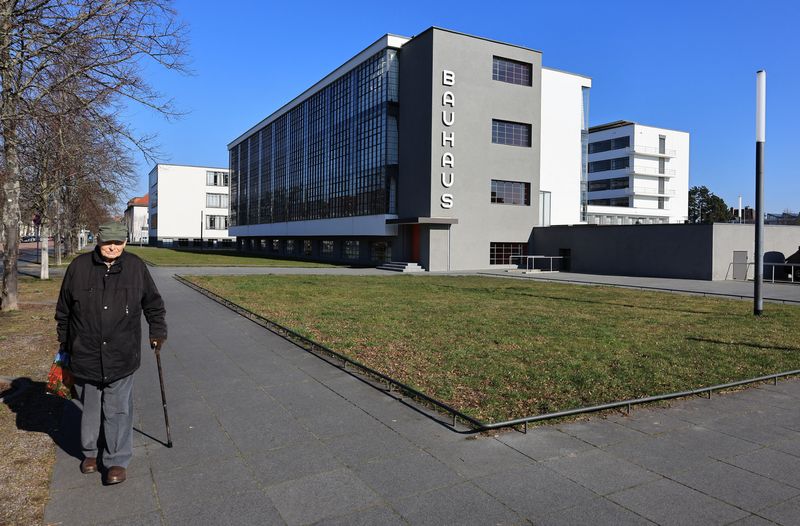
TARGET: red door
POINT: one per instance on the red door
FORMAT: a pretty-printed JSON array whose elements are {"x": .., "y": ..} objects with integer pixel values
[{"x": 414, "y": 244}]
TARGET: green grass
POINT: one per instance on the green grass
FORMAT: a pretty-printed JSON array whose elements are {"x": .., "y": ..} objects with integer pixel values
[
  {"x": 213, "y": 258},
  {"x": 499, "y": 349}
]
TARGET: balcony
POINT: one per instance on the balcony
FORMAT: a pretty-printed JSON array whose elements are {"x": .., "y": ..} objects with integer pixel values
[
  {"x": 650, "y": 151},
  {"x": 650, "y": 171},
  {"x": 650, "y": 192}
]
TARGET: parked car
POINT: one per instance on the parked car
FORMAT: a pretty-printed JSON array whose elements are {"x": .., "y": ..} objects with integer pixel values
[{"x": 29, "y": 239}]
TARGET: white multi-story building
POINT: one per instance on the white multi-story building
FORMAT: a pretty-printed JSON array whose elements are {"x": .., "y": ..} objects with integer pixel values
[
  {"x": 637, "y": 174},
  {"x": 136, "y": 216},
  {"x": 189, "y": 206}
]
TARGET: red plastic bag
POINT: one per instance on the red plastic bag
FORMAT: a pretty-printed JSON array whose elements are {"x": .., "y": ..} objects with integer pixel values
[{"x": 60, "y": 380}]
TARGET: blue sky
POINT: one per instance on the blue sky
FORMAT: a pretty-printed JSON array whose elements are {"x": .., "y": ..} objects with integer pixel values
[{"x": 683, "y": 65}]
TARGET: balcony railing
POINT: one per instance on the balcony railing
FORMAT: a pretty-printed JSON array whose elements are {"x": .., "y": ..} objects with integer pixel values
[
  {"x": 650, "y": 150},
  {"x": 650, "y": 170},
  {"x": 645, "y": 190}
]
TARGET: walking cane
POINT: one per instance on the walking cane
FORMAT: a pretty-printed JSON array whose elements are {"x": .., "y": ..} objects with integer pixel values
[{"x": 157, "y": 348}]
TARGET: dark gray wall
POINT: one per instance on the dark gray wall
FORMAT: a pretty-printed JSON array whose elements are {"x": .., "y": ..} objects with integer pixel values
[
  {"x": 668, "y": 251},
  {"x": 413, "y": 185}
]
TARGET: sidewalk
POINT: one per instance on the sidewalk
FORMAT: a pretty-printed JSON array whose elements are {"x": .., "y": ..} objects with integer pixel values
[{"x": 265, "y": 433}]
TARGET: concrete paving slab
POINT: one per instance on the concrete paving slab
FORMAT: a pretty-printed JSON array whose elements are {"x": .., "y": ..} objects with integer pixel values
[
  {"x": 666, "y": 502},
  {"x": 599, "y": 511},
  {"x": 786, "y": 513},
  {"x": 534, "y": 491},
  {"x": 382, "y": 515},
  {"x": 772, "y": 464},
  {"x": 542, "y": 443},
  {"x": 405, "y": 475},
  {"x": 252, "y": 508},
  {"x": 358, "y": 447},
  {"x": 601, "y": 471},
  {"x": 291, "y": 462},
  {"x": 472, "y": 458},
  {"x": 325, "y": 495},
  {"x": 658, "y": 455},
  {"x": 753, "y": 520},
  {"x": 710, "y": 442},
  {"x": 736, "y": 486},
  {"x": 153, "y": 518},
  {"x": 463, "y": 504},
  {"x": 600, "y": 432}
]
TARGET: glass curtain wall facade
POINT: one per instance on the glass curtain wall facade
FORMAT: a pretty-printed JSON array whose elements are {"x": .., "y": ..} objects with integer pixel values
[{"x": 333, "y": 155}]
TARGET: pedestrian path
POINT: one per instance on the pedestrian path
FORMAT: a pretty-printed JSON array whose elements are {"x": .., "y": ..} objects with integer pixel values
[{"x": 265, "y": 433}]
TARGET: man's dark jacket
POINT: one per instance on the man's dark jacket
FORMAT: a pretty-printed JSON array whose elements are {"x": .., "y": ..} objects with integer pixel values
[{"x": 99, "y": 315}]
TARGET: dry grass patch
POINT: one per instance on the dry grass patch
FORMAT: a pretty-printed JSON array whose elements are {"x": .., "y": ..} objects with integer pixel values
[{"x": 28, "y": 343}]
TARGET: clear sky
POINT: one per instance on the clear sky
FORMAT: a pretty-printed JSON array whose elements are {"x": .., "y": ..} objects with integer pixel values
[{"x": 686, "y": 65}]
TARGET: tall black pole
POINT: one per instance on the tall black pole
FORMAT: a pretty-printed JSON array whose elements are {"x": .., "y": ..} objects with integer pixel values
[{"x": 761, "y": 122}]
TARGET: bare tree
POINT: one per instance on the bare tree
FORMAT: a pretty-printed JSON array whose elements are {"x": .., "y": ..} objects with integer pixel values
[{"x": 52, "y": 46}]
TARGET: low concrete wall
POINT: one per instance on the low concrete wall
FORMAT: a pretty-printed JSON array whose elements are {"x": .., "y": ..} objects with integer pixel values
[
  {"x": 780, "y": 242},
  {"x": 667, "y": 251}
]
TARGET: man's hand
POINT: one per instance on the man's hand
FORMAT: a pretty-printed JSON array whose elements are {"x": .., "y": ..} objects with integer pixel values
[{"x": 156, "y": 343}]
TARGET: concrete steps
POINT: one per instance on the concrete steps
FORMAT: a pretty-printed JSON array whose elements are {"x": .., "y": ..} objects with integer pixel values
[{"x": 400, "y": 266}]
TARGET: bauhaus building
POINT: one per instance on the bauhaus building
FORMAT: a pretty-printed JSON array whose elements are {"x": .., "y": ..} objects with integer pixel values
[{"x": 443, "y": 149}]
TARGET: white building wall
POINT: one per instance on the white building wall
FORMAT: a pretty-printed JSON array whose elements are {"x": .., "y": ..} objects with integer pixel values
[
  {"x": 562, "y": 103},
  {"x": 136, "y": 219},
  {"x": 177, "y": 197},
  {"x": 643, "y": 171}
]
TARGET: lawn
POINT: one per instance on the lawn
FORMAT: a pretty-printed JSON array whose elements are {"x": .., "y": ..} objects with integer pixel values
[
  {"x": 27, "y": 346},
  {"x": 499, "y": 349},
  {"x": 214, "y": 258}
]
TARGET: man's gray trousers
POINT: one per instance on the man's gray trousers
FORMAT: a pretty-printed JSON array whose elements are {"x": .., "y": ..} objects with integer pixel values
[{"x": 111, "y": 406}]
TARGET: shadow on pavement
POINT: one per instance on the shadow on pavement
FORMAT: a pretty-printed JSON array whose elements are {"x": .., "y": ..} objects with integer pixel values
[{"x": 39, "y": 412}]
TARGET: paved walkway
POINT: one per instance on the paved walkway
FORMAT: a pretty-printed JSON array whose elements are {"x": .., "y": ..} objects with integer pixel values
[{"x": 266, "y": 433}]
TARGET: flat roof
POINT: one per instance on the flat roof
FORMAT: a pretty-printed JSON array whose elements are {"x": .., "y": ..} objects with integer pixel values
[
  {"x": 621, "y": 124},
  {"x": 190, "y": 166}
]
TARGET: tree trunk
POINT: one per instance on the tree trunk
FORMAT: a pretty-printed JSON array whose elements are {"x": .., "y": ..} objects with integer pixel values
[
  {"x": 44, "y": 268},
  {"x": 8, "y": 294}
]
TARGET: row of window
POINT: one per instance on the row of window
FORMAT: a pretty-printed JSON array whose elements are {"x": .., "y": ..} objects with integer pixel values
[
  {"x": 617, "y": 201},
  {"x": 500, "y": 253},
  {"x": 609, "y": 184},
  {"x": 609, "y": 164},
  {"x": 616, "y": 143},
  {"x": 350, "y": 249}
]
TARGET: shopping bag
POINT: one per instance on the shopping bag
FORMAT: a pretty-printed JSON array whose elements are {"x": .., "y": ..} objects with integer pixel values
[{"x": 60, "y": 380}]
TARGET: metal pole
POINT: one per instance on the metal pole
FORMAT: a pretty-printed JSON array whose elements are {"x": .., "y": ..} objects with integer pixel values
[{"x": 761, "y": 122}]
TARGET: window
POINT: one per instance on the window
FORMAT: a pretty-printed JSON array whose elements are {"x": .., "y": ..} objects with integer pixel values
[
  {"x": 306, "y": 247},
  {"x": 276, "y": 245},
  {"x": 609, "y": 164},
  {"x": 217, "y": 222},
  {"x": 511, "y": 193},
  {"x": 619, "y": 201},
  {"x": 511, "y": 133},
  {"x": 290, "y": 246},
  {"x": 350, "y": 249},
  {"x": 216, "y": 201},
  {"x": 610, "y": 144},
  {"x": 326, "y": 247},
  {"x": 662, "y": 165},
  {"x": 609, "y": 184},
  {"x": 381, "y": 251},
  {"x": 662, "y": 144},
  {"x": 511, "y": 71},
  {"x": 500, "y": 253},
  {"x": 216, "y": 178}
]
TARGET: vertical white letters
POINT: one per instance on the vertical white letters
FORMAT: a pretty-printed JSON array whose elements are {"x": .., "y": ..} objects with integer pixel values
[
  {"x": 448, "y": 137},
  {"x": 448, "y": 77}
]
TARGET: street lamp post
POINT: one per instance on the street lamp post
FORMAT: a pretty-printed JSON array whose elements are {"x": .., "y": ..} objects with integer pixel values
[{"x": 761, "y": 124}]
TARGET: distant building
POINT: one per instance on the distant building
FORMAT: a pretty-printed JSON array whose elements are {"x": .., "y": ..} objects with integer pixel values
[
  {"x": 637, "y": 175},
  {"x": 189, "y": 206},
  {"x": 136, "y": 215},
  {"x": 748, "y": 215},
  {"x": 785, "y": 218}
]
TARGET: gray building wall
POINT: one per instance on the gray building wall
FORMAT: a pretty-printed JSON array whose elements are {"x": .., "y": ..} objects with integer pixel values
[
  {"x": 476, "y": 160},
  {"x": 669, "y": 251}
]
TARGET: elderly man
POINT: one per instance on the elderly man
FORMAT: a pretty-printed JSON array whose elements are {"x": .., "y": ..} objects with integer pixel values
[{"x": 99, "y": 311}]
